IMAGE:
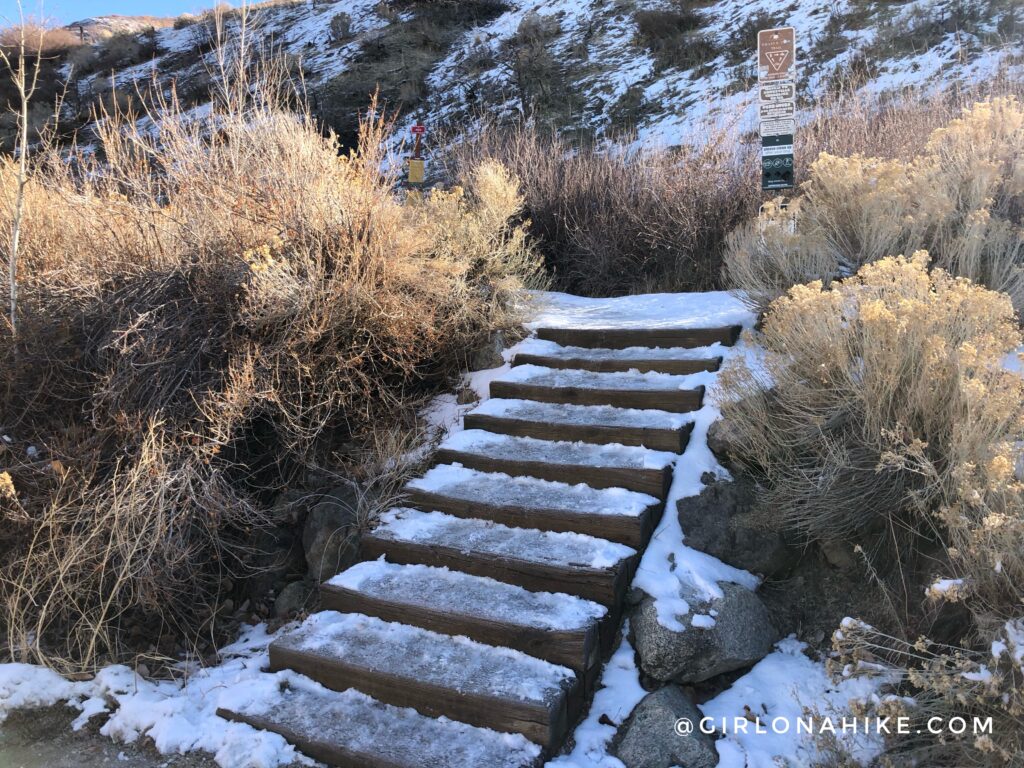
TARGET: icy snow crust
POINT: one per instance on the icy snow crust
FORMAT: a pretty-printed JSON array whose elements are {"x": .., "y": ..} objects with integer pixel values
[
  {"x": 526, "y": 544},
  {"x": 497, "y": 488},
  {"x": 455, "y": 592},
  {"x": 510, "y": 448},
  {"x": 651, "y": 381},
  {"x": 545, "y": 348},
  {"x": 404, "y": 736},
  {"x": 713, "y": 309},
  {"x": 455, "y": 663},
  {"x": 593, "y": 415}
]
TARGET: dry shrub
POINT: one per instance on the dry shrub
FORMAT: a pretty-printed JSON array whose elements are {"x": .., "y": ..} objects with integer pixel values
[
  {"x": 884, "y": 419},
  {"x": 40, "y": 38},
  {"x": 616, "y": 218},
  {"x": 210, "y": 309},
  {"x": 961, "y": 198}
]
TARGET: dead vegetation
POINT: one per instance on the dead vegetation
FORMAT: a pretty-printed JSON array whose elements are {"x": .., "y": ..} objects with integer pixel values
[{"x": 207, "y": 315}]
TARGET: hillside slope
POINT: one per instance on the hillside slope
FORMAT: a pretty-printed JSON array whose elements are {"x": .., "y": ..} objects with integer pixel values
[{"x": 587, "y": 67}]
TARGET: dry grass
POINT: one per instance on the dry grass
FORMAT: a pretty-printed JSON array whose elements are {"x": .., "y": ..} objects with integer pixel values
[
  {"x": 957, "y": 193},
  {"x": 617, "y": 219},
  {"x": 884, "y": 419},
  {"x": 205, "y": 316}
]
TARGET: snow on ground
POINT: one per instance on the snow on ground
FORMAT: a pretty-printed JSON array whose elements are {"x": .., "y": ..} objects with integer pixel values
[
  {"x": 179, "y": 715},
  {"x": 781, "y": 689}
]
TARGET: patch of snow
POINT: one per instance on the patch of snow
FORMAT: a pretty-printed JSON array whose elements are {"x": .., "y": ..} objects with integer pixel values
[{"x": 777, "y": 691}]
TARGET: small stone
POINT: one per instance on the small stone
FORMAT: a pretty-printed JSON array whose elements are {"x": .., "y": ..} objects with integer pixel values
[
  {"x": 649, "y": 737},
  {"x": 291, "y": 600},
  {"x": 330, "y": 537}
]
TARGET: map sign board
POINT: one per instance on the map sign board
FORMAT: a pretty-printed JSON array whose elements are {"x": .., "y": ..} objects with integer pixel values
[{"x": 776, "y": 74}]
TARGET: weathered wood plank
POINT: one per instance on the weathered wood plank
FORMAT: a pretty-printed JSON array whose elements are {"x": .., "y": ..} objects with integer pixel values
[
  {"x": 673, "y": 440},
  {"x": 617, "y": 365},
  {"x": 622, "y": 338},
  {"x": 673, "y": 400},
  {"x": 651, "y": 481},
  {"x": 625, "y": 529},
  {"x": 578, "y": 650},
  {"x": 605, "y": 586}
]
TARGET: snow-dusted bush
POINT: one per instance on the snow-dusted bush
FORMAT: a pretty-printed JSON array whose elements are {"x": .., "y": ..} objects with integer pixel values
[
  {"x": 209, "y": 307},
  {"x": 961, "y": 198}
]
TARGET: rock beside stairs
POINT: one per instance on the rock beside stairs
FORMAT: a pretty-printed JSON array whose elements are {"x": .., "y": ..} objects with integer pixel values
[
  {"x": 649, "y": 739},
  {"x": 738, "y": 634}
]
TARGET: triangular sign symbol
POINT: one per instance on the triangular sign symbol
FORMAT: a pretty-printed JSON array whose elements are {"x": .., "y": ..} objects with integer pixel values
[{"x": 777, "y": 58}]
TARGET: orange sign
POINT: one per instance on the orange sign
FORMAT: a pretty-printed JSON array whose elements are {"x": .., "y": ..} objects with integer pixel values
[{"x": 776, "y": 54}]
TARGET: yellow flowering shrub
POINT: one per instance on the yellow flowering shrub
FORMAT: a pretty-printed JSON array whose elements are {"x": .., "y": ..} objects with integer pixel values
[
  {"x": 885, "y": 419},
  {"x": 961, "y": 199}
]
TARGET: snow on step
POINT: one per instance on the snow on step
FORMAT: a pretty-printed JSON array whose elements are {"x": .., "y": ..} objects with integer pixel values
[
  {"x": 439, "y": 675},
  {"x": 675, "y": 360},
  {"x": 349, "y": 728},
  {"x": 660, "y": 430},
  {"x": 601, "y": 466},
  {"x": 620, "y": 337},
  {"x": 581, "y": 565},
  {"x": 630, "y": 389},
  {"x": 553, "y": 626},
  {"x": 612, "y": 513}
]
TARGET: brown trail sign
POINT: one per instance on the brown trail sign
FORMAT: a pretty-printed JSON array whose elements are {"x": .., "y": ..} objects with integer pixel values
[{"x": 776, "y": 74}]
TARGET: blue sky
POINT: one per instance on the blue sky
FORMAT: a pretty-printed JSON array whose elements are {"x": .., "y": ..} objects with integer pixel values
[{"x": 64, "y": 11}]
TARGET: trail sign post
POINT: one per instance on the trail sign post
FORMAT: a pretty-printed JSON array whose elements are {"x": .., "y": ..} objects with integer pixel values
[
  {"x": 417, "y": 166},
  {"x": 776, "y": 88}
]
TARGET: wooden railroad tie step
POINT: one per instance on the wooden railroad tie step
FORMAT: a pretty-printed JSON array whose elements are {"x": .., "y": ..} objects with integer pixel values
[
  {"x": 437, "y": 675},
  {"x": 555, "y": 627},
  {"x": 601, "y": 424},
  {"x": 615, "y": 514},
  {"x": 599, "y": 466},
  {"x": 678, "y": 366},
  {"x": 621, "y": 338},
  {"x": 349, "y": 729},
  {"x": 591, "y": 568},
  {"x": 660, "y": 391}
]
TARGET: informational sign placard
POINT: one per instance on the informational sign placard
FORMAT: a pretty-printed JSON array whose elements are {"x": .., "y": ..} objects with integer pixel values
[{"x": 776, "y": 75}]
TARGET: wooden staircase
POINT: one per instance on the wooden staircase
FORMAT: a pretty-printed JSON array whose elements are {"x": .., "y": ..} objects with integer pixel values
[{"x": 474, "y": 632}]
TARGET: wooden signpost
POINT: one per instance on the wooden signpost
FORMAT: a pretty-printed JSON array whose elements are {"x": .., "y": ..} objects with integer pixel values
[
  {"x": 776, "y": 86},
  {"x": 417, "y": 165}
]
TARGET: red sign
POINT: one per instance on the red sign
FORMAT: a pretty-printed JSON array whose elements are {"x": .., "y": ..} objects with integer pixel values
[{"x": 419, "y": 128}]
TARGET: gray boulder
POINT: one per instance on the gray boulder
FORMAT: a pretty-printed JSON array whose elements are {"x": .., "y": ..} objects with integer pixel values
[
  {"x": 717, "y": 521},
  {"x": 648, "y": 738},
  {"x": 742, "y": 634},
  {"x": 722, "y": 440},
  {"x": 330, "y": 536},
  {"x": 292, "y": 599}
]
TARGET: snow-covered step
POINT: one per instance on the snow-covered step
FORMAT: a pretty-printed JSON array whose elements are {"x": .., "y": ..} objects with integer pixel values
[
  {"x": 632, "y": 389},
  {"x": 609, "y": 513},
  {"x": 574, "y": 563},
  {"x": 599, "y": 466},
  {"x": 556, "y": 627},
  {"x": 621, "y": 338},
  {"x": 660, "y": 430},
  {"x": 677, "y": 360},
  {"x": 352, "y": 730},
  {"x": 438, "y": 675}
]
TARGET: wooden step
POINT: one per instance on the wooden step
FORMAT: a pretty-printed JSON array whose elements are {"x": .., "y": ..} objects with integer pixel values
[
  {"x": 526, "y": 502},
  {"x": 349, "y": 729},
  {"x": 660, "y": 391},
  {"x": 674, "y": 360},
  {"x": 614, "y": 364},
  {"x": 558, "y": 628},
  {"x": 599, "y": 466},
  {"x": 621, "y": 338},
  {"x": 437, "y": 675},
  {"x": 576, "y": 564},
  {"x": 658, "y": 430}
]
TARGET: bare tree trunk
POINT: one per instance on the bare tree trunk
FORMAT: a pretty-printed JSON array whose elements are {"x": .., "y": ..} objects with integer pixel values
[{"x": 26, "y": 89}]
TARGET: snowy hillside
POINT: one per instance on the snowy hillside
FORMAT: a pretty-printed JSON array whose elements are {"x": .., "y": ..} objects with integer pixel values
[{"x": 587, "y": 66}]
